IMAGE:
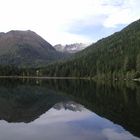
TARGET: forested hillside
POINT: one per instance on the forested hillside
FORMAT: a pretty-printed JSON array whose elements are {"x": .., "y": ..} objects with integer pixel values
[
  {"x": 114, "y": 57},
  {"x": 117, "y": 56}
]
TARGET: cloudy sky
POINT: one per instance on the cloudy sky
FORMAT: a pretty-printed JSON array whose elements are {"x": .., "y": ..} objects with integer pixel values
[{"x": 68, "y": 21}]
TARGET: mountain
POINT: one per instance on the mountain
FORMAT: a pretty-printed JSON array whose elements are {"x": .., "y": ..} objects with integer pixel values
[
  {"x": 26, "y": 49},
  {"x": 70, "y": 48},
  {"x": 114, "y": 57},
  {"x": 69, "y": 105}
]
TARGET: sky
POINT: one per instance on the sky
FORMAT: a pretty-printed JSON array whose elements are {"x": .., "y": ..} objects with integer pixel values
[{"x": 68, "y": 21}]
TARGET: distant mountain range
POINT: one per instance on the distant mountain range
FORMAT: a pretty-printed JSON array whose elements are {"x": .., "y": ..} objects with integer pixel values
[
  {"x": 114, "y": 57},
  {"x": 26, "y": 49},
  {"x": 69, "y": 105},
  {"x": 70, "y": 48}
]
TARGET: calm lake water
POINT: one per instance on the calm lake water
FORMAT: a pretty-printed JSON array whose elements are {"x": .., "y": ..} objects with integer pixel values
[{"x": 69, "y": 110}]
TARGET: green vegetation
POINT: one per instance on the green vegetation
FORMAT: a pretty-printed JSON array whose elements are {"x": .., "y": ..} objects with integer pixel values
[{"x": 114, "y": 57}]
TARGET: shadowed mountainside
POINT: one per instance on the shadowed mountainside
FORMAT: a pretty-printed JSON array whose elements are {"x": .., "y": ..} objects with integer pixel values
[{"x": 26, "y": 49}]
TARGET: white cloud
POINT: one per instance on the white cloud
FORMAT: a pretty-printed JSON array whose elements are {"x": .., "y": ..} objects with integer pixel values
[
  {"x": 52, "y": 18},
  {"x": 111, "y": 134},
  {"x": 125, "y": 13}
]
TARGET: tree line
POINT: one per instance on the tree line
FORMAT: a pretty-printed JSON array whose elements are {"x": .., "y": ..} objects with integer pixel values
[{"x": 114, "y": 57}]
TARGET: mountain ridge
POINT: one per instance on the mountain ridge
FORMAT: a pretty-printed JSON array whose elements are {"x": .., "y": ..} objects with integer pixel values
[
  {"x": 113, "y": 57},
  {"x": 26, "y": 49},
  {"x": 70, "y": 48}
]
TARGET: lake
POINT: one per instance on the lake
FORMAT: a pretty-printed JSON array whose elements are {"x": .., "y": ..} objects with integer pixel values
[{"x": 35, "y": 109}]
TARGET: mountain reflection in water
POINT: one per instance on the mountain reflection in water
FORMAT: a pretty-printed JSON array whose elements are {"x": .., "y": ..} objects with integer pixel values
[{"x": 50, "y": 110}]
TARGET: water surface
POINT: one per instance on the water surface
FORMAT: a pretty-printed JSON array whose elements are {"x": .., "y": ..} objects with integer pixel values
[{"x": 69, "y": 110}]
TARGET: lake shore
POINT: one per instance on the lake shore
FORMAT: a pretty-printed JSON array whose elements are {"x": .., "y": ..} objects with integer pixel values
[{"x": 41, "y": 77}]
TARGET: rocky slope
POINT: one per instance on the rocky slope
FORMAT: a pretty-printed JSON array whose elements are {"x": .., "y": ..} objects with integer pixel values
[
  {"x": 26, "y": 49},
  {"x": 70, "y": 48}
]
